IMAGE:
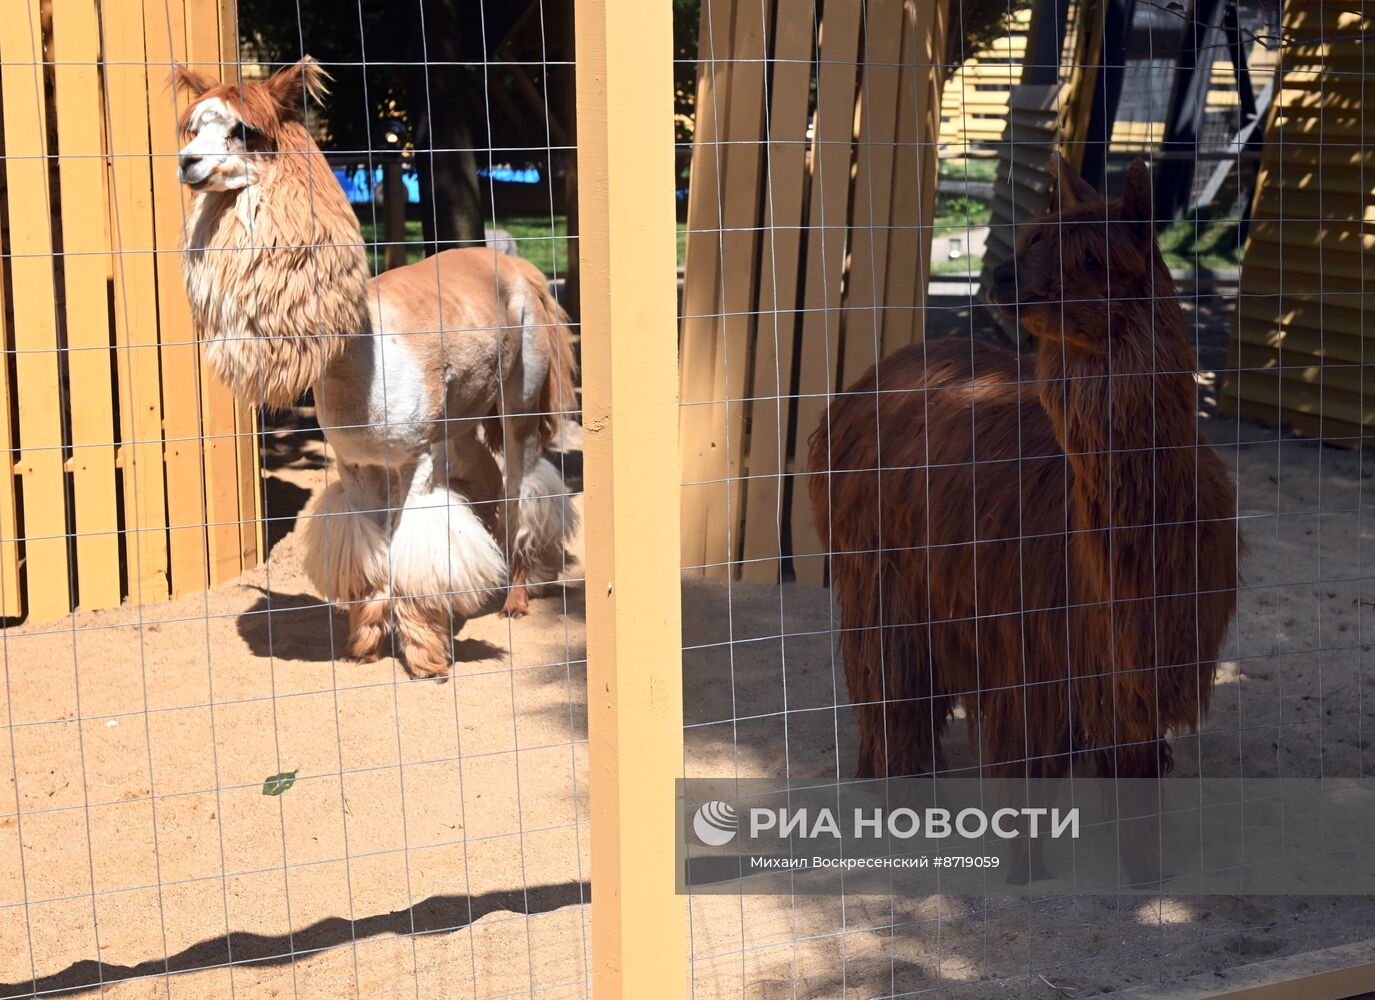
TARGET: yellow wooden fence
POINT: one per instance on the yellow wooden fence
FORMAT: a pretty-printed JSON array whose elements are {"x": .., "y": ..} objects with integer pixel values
[
  {"x": 125, "y": 470},
  {"x": 975, "y": 102},
  {"x": 1299, "y": 352},
  {"x": 856, "y": 173}
]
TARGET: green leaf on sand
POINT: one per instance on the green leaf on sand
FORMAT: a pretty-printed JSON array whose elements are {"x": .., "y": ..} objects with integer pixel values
[{"x": 279, "y": 783}]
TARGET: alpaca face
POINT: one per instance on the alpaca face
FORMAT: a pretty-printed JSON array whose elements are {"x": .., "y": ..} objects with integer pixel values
[
  {"x": 222, "y": 150},
  {"x": 1071, "y": 269},
  {"x": 234, "y": 131}
]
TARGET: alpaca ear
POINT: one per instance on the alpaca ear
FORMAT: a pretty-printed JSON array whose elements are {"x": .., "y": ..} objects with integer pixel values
[
  {"x": 1074, "y": 190},
  {"x": 299, "y": 82},
  {"x": 1136, "y": 197},
  {"x": 189, "y": 81}
]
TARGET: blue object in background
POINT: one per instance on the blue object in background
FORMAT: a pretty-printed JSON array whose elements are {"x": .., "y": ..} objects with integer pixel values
[{"x": 354, "y": 181}]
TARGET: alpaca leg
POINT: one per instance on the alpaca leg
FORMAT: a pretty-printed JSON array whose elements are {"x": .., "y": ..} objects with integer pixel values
[
  {"x": 444, "y": 564},
  {"x": 1136, "y": 765},
  {"x": 367, "y": 629},
  {"x": 548, "y": 521},
  {"x": 516, "y": 436},
  {"x": 346, "y": 557}
]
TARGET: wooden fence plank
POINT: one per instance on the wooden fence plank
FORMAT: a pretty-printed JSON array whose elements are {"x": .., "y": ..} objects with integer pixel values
[
  {"x": 136, "y": 329},
  {"x": 780, "y": 254},
  {"x": 248, "y": 501},
  {"x": 862, "y": 320},
  {"x": 219, "y": 448},
  {"x": 37, "y": 375},
  {"x": 85, "y": 268},
  {"x": 739, "y": 262},
  {"x": 832, "y": 151},
  {"x": 11, "y": 595},
  {"x": 899, "y": 314},
  {"x": 165, "y": 34},
  {"x": 699, "y": 343}
]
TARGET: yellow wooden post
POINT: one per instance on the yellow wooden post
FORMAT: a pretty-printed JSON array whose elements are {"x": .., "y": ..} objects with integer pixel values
[
  {"x": 34, "y": 335},
  {"x": 630, "y": 414},
  {"x": 86, "y": 267}
]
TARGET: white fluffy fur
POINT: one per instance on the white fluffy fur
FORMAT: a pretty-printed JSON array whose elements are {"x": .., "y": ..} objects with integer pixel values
[
  {"x": 547, "y": 520},
  {"x": 461, "y": 574},
  {"x": 346, "y": 550}
]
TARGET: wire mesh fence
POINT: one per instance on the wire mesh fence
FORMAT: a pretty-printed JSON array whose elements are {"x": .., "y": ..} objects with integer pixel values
[
  {"x": 996, "y": 470},
  {"x": 1018, "y": 436},
  {"x": 315, "y": 477}
]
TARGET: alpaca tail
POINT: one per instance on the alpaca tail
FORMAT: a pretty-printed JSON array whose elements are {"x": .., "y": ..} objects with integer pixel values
[{"x": 559, "y": 394}]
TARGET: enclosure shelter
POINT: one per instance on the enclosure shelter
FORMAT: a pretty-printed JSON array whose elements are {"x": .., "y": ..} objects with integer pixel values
[
  {"x": 128, "y": 471},
  {"x": 1299, "y": 346}
]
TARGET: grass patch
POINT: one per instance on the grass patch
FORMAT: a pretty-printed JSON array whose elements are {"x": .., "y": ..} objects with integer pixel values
[
  {"x": 984, "y": 170},
  {"x": 958, "y": 212},
  {"x": 1206, "y": 244},
  {"x": 961, "y": 267},
  {"x": 543, "y": 244}
]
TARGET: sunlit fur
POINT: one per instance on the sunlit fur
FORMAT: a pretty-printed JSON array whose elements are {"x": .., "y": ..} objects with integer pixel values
[
  {"x": 418, "y": 375},
  {"x": 1053, "y": 547}
]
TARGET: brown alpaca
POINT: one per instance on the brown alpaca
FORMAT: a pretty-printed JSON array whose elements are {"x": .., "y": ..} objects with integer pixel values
[
  {"x": 424, "y": 378},
  {"x": 1056, "y": 551}
]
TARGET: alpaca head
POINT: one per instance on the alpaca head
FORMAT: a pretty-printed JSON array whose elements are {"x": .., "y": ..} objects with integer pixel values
[
  {"x": 1074, "y": 268},
  {"x": 233, "y": 131}
]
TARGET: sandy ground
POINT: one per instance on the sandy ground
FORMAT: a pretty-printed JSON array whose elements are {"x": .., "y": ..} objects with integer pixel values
[{"x": 435, "y": 843}]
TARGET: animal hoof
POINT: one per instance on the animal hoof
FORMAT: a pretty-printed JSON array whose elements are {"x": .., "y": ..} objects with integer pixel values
[
  {"x": 517, "y": 603},
  {"x": 422, "y": 668}
]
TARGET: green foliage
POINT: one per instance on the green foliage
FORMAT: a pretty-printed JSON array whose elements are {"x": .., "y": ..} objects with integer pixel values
[
  {"x": 279, "y": 783},
  {"x": 956, "y": 213},
  {"x": 1204, "y": 244}
]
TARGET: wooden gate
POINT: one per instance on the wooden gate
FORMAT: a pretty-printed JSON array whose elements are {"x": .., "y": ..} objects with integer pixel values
[
  {"x": 808, "y": 251},
  {"x": 125, "y": 469}
]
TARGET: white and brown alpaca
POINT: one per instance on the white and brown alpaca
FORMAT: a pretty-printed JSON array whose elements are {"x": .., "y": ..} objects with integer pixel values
[{"x": 438, "y": 385}]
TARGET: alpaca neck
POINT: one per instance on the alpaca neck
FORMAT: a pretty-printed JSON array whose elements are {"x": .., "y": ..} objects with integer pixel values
[
  {"x": 276, "y": 275},
  {"x": 1126, "y": 422}
]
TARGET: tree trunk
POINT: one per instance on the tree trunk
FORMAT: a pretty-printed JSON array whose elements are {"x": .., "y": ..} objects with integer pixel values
[{"x": 450, "y": 197}]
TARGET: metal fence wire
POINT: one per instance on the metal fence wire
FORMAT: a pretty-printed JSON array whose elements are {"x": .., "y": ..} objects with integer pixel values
[{"x": 998, "y": 366}]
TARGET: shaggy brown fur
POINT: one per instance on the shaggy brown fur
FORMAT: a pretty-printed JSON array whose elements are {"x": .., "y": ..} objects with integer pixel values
[
  {"x": 302, "y": 275},
  {"x": 405, "y": 370},
  {"x": 1057, "y": 553}
]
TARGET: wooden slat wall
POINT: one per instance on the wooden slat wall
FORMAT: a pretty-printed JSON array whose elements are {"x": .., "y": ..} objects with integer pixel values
[
  {"x": 34, "y": 336},
  {"x": 970, "y": 114},
  {"x": 816, "y": 234},
  {"x": 106, "y": 408},
  {"x": 86, "y": 271},
  {"x": 1300, "y": 351},
  {"x": 780, "y": 254}
]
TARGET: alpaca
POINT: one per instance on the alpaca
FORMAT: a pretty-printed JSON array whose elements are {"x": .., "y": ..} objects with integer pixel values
[
  {"x": 1056, "y": 553},
  {"x": 438, "y": 385}
]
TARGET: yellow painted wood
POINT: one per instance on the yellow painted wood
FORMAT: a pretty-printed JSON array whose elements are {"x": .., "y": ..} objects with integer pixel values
[
  {"x": 739, "y": 263},
  {"x": 702, "y": 275},
  {"x": 862, "y": 320},
  {"x": 971, "y": 111},
  {"x": 11, "y": 593},
  {"x": 1302, "y": 349},
  {"x": 219, "y": 409},
  {"x": 34, "y": 336},
  {"x": 826, "y": 245},
  {"x": 165, "y": 35},
  {"x": 904, "y": 210},
  {"x": 136, "y": 301},
  {"x": 780, "y": 252},
  {"x": 85, "y": 241},
  {"x": 634, "y": 629}
]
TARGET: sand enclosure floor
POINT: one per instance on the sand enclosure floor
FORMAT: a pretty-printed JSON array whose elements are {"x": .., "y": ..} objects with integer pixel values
[{"x": 435, "y": 843}]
